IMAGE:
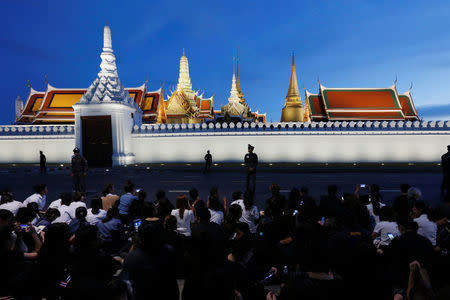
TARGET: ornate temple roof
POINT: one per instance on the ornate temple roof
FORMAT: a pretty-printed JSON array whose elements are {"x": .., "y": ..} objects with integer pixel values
[
  {"x": 235, "y": 105},
  {"x": 360, "y": 104},
  {"x": 55, "y": 104}
]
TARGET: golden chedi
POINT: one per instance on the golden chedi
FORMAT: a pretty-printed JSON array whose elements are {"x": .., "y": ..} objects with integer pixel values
[{"x": 293, "y": 109}]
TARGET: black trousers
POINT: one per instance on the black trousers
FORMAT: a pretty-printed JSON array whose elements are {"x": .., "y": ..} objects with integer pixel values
[
  {"x": 43, "y": 169},
  {"x": 207, "y": 167},
  {"x": 445, "y": 186},
  {"x": 251, "y": 181},
  {"x": 79, "y": 183}
]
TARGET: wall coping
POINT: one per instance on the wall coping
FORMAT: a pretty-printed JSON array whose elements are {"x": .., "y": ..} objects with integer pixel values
[
  {"x": 37, "y": 130},
  {"x": 300, "y": 127}
]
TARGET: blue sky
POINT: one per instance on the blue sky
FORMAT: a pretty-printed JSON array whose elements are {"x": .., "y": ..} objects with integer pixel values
[{"x": 344, "y": 43}]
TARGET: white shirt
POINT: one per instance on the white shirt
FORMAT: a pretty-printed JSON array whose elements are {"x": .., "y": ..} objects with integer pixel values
[
  {"x": 248, "y": 216},
  {"x": 383, "y": 228},
  {"x": 94, "y": 219},
  {"x": 73, "y": 207},
  {"x": 64, "y": 215},
  {"x": 12, "y": 206},
  {"x": 184, "y": 224},
  {"x": 374, "y": 218},
  {"x": 427, "y": 228},
  {"x": 38, "y": 198},
  {"x": 216, "y": 216},
  {"x": 55, "y": 204}
]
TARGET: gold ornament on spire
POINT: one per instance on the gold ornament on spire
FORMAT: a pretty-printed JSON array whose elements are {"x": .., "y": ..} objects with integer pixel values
[
  {"x": 293, "y": 110},
  {"x": 238, "y": 80}
]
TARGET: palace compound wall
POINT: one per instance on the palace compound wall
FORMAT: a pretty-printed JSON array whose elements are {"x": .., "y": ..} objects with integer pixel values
[{"x": 343, "y": 142}]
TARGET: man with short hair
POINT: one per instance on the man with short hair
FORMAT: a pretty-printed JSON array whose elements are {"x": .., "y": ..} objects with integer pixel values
[
  {"x": 8, "y": 203},
  {"x": 401, "y": 203},
  {"x": 251, "y": 162},
  {"x": 427, "y": 228},
  {"x": 39, "y": 196},
  {"x": 79, "y": 169},
  {"x": 126, "y": 200}
]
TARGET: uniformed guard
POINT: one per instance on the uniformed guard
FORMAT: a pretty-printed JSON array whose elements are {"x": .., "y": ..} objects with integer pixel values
[
  {"x": 42, "y": 163},
  {"x": 208, "y": 162},
  {"x": 445, "y": 164},
  {"x": 251, "y": 162},
  {"x": 79, "y": 169}
]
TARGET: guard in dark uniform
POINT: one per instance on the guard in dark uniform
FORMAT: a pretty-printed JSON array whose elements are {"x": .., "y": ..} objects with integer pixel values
[
  {"x": 251, "y": 162},
  {"x": 445, "y": 164},
  {"x": 42, "y": 163},
  {"x": 79, "y": 169},
  {"x": 208, "y": 162}
]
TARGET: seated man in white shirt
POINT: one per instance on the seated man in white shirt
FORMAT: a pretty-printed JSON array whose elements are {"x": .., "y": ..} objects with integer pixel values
[
  {"x": 57, "y": 203},
  {"x": 427, "y": 228},
  {"x": 40, "y": 196},
  {"x": 7, "y": 202},
  {"x": 66, "y": 200},
  {"x": 386, "y": 229}
]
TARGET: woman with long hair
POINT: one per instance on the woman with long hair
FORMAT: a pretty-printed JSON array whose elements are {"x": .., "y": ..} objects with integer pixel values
[
  {"x": 216, "y": 209},
  {"x": 250, "y": 213},
  {"x": 184, "y": 215}
]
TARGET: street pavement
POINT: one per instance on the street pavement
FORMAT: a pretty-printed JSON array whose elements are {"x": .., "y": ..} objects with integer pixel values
[{"x": 178, "y": 179}]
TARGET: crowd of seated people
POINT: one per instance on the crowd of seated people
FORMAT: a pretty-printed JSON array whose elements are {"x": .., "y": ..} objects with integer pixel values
[{"x": 342, "y": 246}]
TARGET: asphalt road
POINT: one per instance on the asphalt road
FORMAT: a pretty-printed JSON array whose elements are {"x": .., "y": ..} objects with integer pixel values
[{"x": 177, "y": 179}]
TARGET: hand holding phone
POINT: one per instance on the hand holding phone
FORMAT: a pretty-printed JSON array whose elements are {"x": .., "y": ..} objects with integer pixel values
[{"x": 137, "y": 223}]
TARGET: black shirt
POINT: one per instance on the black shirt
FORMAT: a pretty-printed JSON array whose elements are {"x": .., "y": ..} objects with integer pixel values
[{"x": 251, "y": 160}]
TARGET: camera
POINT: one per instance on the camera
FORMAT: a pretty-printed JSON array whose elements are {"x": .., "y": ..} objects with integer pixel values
[{"x": 137, "y": 223}]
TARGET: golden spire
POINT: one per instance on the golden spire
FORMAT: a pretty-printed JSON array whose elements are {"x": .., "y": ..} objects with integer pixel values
[
  {"x": 238, "y": 81},
  {"x": 293, "y": 94},
  {"x": 306, "y": 117}
]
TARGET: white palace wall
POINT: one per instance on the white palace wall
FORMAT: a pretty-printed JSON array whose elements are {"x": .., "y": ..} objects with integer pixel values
[
  {"x": 346, "y": 142},
  {"x": 21, "y": 143}
]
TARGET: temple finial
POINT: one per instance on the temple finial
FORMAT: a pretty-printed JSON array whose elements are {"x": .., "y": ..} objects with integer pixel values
[
  {"x": 107, "y": 42},
  {"x": 29, "y": 84},
  {"x": 293, "y": 57},
  {"x": 45, "y": 78},
  {"x": 184, "y": 53},
  {"x": 395, "y": 81},
  {"x": 293, "y": 93},
  {"x": 410, "y": 86}
]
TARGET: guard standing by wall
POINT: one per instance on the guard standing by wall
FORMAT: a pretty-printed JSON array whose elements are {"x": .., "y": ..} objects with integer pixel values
[
  {"x": 42, "y": 163},
  {"x": 79, "y": 169},
  {"x": 251, "y": 162},
  {"x": 445, "y": 164},
  {"x": 208, "y": 162}
]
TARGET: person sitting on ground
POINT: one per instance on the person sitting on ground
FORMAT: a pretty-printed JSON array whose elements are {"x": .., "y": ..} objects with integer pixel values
[
  {"x": 95, "y": 214},
  {"x": 7, "y": 202},
  {"x": 163, "y": 205},
  {"x": 149, "y": 214},
  {"x": 57, "y": 203},
  {"x": 37, "y": 214},
  {"x": 64, "y": 216},
  {"x": 215, "y": 209},
  {"x": 193, "y": 196},
  {"x": 426, "y": 228},
  {"x": 330, "y": 205},
  {"x": 277, "y": 200},
  {"x": 135, "y": 210},
  {"x": 108, "y": 196},
  {"x": 53, "y": 259},
  {"x": 414, "y": 195},
  {"x": 231, "y": 221},
  {"x": 79, "y": 221},
  {"x": 294, "y": 200},
  {"x": 150, "y": 266},
  {"x": 401, "y": 204},
  {"x": 27, "y": 240},
  {"x": 39, "y": 196},
  {"x": 126, "y": 200},
  {"x": 50, "y": 215},
  {"x": 306, "y": 199},
  {"x": 91, "y": 271},
  {"x": 111, "y": 230},
  {"x": 184, "y": 215},
  {"x": 406, "y": 248},
  {"x": 250, "y": 213},
  {"x": 386, "y": 229},
  {"x": 70, "y": 214}
]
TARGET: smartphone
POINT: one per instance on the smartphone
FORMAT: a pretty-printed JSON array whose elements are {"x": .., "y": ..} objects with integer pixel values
[
  {"x": 391, "y": 236},
  {"x": 24, "y": 226},
  {"x": 295, "y": 213},
  {"x": 138, "y": 190},
  {"x": 362, "y": 185},
  {"x": 137, "y": 223}
]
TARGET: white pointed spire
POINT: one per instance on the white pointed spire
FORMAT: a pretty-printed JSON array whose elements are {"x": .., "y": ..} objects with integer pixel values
[
  {"x": 107, "y": 86},
  {"x": 234, "y": 94}
]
